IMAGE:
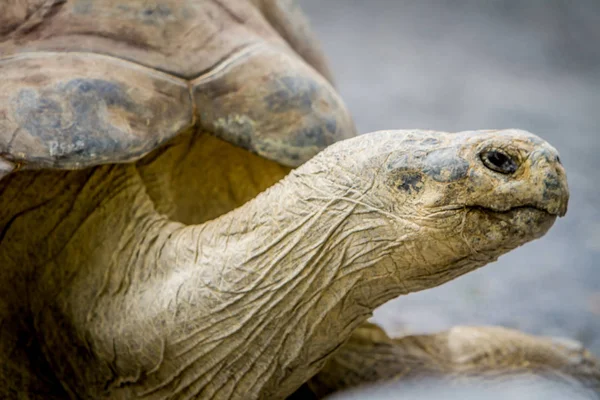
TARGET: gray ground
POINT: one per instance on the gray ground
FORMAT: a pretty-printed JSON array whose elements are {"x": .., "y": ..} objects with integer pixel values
[
  {"x": 522, "y": 389},
  {"x": 473, "y": 64}
]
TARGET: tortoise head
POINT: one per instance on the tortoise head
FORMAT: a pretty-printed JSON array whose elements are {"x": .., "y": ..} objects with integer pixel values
[
  {"x": 498, "y": 171},
  {"x": 456, "y": 199}
]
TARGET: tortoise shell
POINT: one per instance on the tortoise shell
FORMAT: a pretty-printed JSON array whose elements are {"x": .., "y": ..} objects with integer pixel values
[{"x": 86, "y": 82}]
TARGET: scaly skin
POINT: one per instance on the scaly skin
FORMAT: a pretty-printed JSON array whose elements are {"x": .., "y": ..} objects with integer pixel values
[
  {"x": 125, "y": 302},
  {"x": 480, "y": 359}
]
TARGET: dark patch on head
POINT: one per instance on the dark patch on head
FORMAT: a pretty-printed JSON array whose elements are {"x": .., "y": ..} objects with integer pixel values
[
  {"x": 73, "y": 120},
  {"x": 445, "y": 165},
  {"x": 291, "y": 93},
  {"x": 410, "y": 182},
  {"x": 551, "y": 182}
]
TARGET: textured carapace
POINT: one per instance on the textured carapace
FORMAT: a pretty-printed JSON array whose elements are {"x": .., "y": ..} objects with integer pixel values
[{"x": 87, "y": 83}]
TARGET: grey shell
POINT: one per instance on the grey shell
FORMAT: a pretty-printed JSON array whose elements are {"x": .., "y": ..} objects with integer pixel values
[{"x": 83, "y": 84}]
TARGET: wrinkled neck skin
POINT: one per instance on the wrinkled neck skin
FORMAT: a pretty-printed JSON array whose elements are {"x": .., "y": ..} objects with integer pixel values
[{"x": 248, "y": 305}]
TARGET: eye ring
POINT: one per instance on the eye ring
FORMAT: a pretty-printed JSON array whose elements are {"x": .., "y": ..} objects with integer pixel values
[{"x": 499, "y": 161}]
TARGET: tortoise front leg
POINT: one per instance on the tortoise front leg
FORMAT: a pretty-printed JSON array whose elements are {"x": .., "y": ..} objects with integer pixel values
[{"x": 458, "y": 357}]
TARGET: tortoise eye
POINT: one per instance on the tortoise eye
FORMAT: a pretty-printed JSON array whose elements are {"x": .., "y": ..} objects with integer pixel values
[{"x": 499, "y": 161}]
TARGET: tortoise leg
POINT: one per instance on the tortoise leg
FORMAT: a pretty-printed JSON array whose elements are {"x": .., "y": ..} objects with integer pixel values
[{"x": 457, "y": 357}]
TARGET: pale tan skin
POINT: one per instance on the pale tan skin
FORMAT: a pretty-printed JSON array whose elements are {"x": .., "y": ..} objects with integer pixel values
[
  {"x": 487, "y": 358},
  {"x": 139, "y": 256}
]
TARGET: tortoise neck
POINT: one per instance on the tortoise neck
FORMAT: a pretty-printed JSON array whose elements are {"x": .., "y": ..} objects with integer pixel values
[
  {"x": 157, "y": 307},
  {"x": 267, "y": 289}
]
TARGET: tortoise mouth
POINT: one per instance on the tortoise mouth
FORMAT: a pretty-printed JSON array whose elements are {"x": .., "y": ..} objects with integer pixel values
[
  {"x": 516, "y": 225},
  {"x": 532, "y": 220},
  {"x": 534, "y": 212},
  {"x": 513, "y": 210},
  {"x": 527, "y": 208}
]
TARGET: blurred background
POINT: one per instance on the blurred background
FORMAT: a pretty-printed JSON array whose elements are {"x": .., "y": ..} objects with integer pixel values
[{"x": 472, "y": 64}]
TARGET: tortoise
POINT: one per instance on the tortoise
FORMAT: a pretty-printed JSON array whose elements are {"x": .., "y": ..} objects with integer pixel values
[{"x": 186, "y": 210}]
